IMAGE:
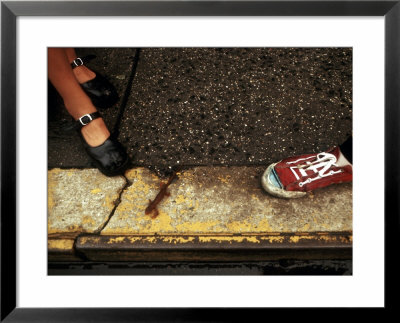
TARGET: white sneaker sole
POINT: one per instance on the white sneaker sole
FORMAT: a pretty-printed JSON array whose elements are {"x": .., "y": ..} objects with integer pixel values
[{"x": 276, "y": 191}]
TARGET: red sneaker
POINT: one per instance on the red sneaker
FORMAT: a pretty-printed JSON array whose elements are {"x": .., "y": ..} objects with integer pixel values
[{"x": 293, "y": 177}]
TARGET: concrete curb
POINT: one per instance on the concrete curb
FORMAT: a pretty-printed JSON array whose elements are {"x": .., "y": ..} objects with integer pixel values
[
  {"x": 212, "y": 213},
  {"x": 217, "y": 247}
]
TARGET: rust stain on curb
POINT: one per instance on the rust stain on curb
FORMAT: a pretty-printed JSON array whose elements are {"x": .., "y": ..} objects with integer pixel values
[
  {"x": 225, "y": 200},
  {"x": 214, "y": 214}
]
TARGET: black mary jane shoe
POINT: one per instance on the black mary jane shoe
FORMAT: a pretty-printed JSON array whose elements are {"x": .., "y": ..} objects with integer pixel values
[
  {"x": 102, "y": 93},
  {"x": 110, "y": 157}
]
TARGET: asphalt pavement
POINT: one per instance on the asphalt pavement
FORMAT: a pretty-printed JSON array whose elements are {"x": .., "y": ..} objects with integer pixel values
[{"x": 215, "y": 106}]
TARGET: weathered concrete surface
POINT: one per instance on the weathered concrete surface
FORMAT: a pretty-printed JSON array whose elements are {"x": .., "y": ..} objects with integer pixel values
[
  {"x": 212, "y": 214},
  {"x": 80, "y": 200},
  {"x": 226, "y": 200}
]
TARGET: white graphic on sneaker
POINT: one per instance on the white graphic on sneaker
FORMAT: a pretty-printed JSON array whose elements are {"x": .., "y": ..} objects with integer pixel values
[
  {"x": 295, "y": 174},
  {"x": 303, "y": 173},
  {"x": 324, "y": 161},
  {"x": 294, "y": 162}
]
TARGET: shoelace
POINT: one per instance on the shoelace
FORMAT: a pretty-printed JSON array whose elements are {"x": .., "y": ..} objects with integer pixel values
[{"x": 324, "y": 160}]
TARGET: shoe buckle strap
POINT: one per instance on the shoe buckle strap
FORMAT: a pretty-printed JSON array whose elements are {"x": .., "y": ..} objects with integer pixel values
[
  {"x": 87, "y": 116},
  {"x": 77, "y": 62}
]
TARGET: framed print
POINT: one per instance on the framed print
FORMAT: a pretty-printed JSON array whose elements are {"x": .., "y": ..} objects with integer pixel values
[{"x": 223, "y": 111}]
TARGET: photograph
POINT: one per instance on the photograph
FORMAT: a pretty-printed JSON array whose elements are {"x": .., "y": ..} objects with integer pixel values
[
  {"x": 193, "y": 160},
  {"x": 204, "y": 159}
]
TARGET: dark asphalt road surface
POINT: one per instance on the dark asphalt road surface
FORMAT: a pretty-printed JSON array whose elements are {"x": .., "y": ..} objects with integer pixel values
[{"x": 216, "y": 106}]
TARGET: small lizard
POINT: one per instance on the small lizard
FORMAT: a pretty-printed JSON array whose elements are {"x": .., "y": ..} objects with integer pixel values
[{"x": 152, "y": 207}]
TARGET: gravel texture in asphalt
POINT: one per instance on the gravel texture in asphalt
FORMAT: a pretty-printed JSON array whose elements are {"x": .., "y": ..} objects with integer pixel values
[{"x": 218, "y": 106}]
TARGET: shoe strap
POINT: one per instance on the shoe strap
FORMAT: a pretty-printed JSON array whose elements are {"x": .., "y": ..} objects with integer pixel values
[
  {"x": 86, "y": 119},
  {"x": 79, "y": 61}
]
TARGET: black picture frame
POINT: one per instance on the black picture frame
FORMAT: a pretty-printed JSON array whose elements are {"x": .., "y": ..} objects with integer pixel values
[{"x": 10, "y": 10}]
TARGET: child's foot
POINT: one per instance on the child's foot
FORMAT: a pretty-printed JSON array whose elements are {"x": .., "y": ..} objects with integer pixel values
[
  {"x": 293, "y": 177},
  {"x": 95, "y": 133},
  {"x": 105, "y": 151},
  {"x": 102, "y": 93},
  {"x": 83, "y": 74}
]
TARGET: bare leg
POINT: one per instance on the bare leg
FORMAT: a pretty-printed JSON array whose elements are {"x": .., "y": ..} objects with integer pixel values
[
  {"x": 75, "y": 99},
  {"x": 82, "y": 73}
]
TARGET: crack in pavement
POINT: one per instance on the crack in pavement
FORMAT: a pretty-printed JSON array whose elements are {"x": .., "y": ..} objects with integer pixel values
[
  {"x": 115, "y": 132},
  {"x": 117, "y": 202},
  {"x": 97, "y": 232},
  {"x": 125, "y": 98}
]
